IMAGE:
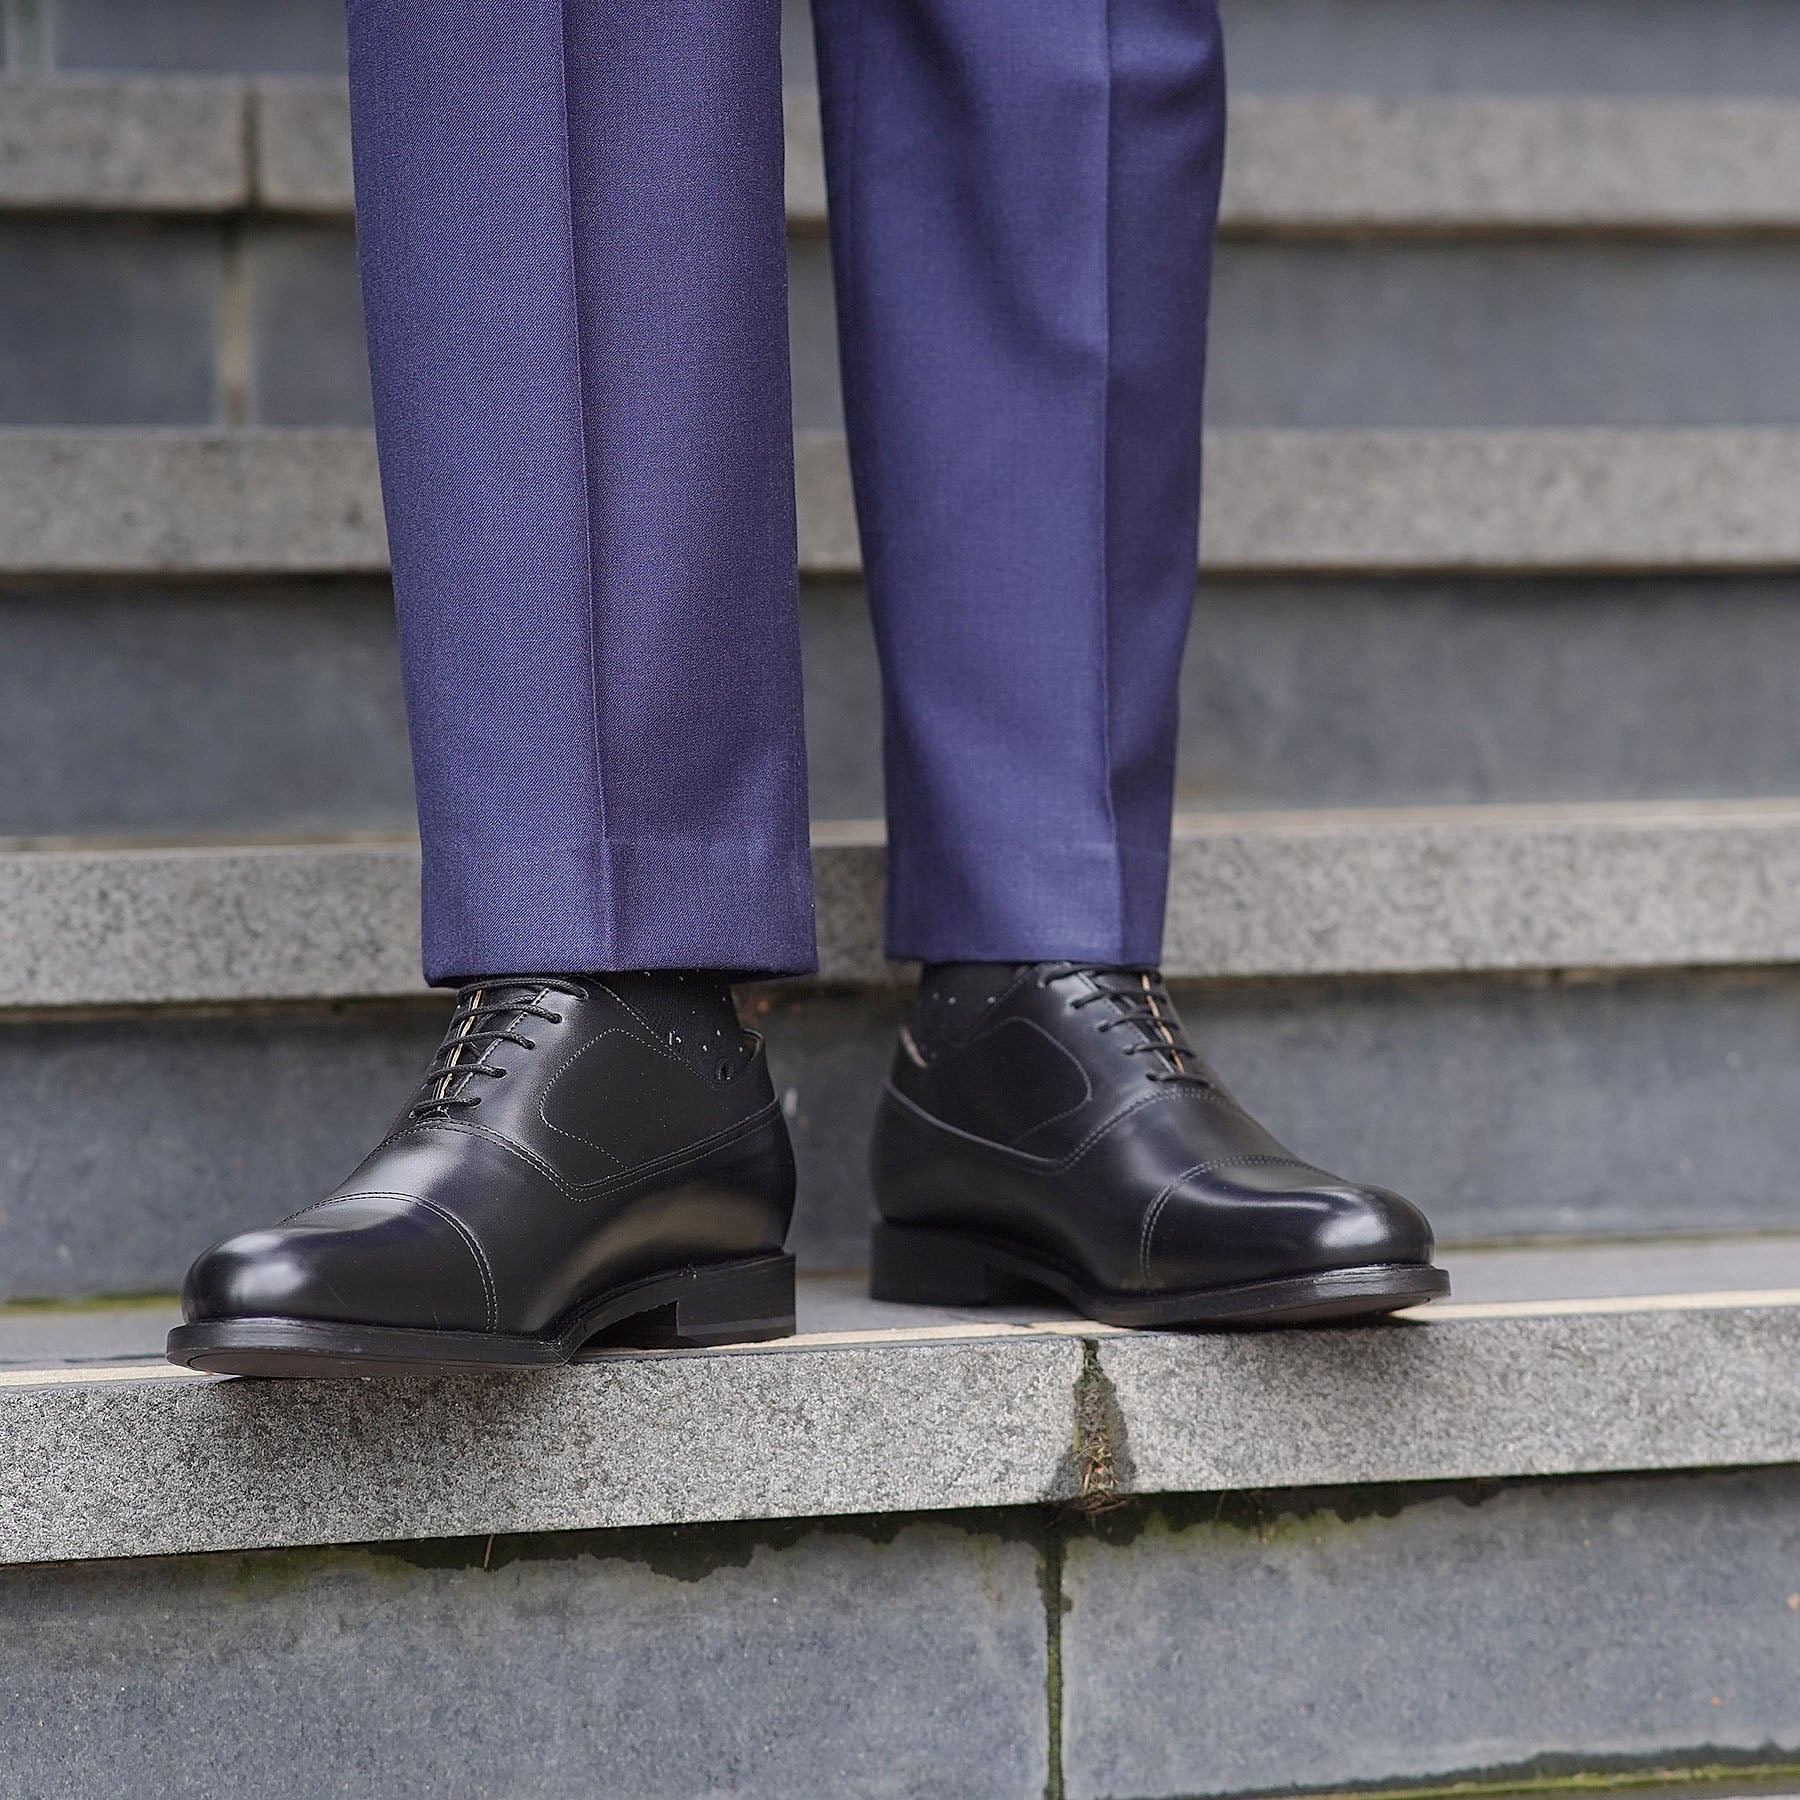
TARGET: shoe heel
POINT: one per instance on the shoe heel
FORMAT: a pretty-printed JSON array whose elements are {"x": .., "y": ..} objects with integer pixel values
[
  {"x": 934, "y": 1268},
  {"x": 737, "y": 1303},
  {"x": 746, "y": 1302}
]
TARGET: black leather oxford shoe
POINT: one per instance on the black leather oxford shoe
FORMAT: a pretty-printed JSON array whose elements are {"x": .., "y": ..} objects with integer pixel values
[
  {"x": 1063, "y": 1135},
  {"x": 584, "y": 1156}
]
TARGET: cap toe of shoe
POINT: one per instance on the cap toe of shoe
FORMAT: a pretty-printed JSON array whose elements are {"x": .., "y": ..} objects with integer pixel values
[{"x": 373, "y": 1260}]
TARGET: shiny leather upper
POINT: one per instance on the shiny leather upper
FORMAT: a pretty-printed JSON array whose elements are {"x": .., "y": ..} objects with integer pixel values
[
  {"x": 1057, "y": 1125},
  {"x": 593, "y": 1152}
]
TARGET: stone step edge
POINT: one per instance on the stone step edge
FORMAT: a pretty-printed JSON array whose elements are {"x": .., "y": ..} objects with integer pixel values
[
  {"x": 102, "y": 501},
  {"x": 142, "y": 1460},
  {"x": 1396, "y": 892},
  {"x": 1315, "y": 165}
]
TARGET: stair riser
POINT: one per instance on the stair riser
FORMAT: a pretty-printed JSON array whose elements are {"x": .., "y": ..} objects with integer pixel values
[
  {"x": 1508, "y": 1108},
  {"x": 286, "y": 37},
  {"x": 213, "y": 710},
  {"x": 1473, "y": 332},
  {"x": 1205, "y": 1657},
  {"x": 256, "y": 710},
  {"x": 119, "y": 321},
  {"x": 1513, "y": 46},
  {"x": 1420, "y": 691},
  {"x": 802, "y": 1658},
  {"x": 619, "y": 1666}
]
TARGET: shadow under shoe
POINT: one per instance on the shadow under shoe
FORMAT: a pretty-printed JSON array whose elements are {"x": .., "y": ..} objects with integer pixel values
[
  {"x": 584, "y": 1156},
  {"x": 1066, "y": 1137}
]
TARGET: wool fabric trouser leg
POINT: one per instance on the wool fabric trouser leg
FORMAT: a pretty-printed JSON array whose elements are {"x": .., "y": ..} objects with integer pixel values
[
  {"x": 570, "y": 219},
  {"x": 571, "y": 227}
]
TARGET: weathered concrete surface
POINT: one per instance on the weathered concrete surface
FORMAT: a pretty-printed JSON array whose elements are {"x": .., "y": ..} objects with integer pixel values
[
  {"x": 108, "y": 323},
  {"x": 141, "y": 925},
  {"x": 286, "y": 37},
  {"x": 1502, "y": 332},
  {"x": 234, "y": 708},
  {"x": 1487, "y": 162},
  {"x": 75, "y": 145},
  {"x": 197, "y": 503},
  {"x": 308, "y": 357},
  {"x": 1442, "y": 692},
  {"x": 121, "y": 502},
  {"x": 1558, "y": 1393},
  {"x": 148, "y": 1461},
  {"x": 1414, "y": 891},
  {"x": 1681, "y": 498},
  {"x": 1319, "y": 164},
  {"x": 301, "y": 145},
  {"x": 828, "y": 1664},
  {"x": 805, "y": 159},
  {"x": 1485, "y": 887},
  {"x": 1416, "y": 47},
  {"x": 1345, "y": 1641},
  {"x": 152, "y": 1136},
  {"x": 143, "y": 1459}
]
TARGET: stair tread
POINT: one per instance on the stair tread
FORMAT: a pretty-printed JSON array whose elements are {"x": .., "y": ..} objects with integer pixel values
[
  {"x": 882, "y": 1408},
  {"x": 206, "y": 503},
  {"x": 1312, "y": 163},
  {"x": 1399, "y": 891}
]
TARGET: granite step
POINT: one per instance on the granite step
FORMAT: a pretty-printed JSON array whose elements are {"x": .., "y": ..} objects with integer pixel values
[
  {"x": 1316, "y": 165},
  {"x": 100, "y": 502},
  {"x": 1021, "y": 1526},
  {"x": 1401, "y": 891},
  {"x": 1574, "y": 1361}
]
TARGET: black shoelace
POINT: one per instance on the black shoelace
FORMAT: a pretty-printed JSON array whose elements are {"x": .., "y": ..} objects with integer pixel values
[
  {"x": 472, "y": 1034},
  {"x": 1142, "y": 1002}
]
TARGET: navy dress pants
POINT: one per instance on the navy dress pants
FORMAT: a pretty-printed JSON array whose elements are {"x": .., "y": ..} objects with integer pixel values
[{"x": 570, "y": 219}]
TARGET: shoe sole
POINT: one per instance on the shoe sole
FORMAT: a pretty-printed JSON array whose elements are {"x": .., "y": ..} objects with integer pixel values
[
  {"x": 943, "y": 1268},
  {"x": 749, "y": 1300}
]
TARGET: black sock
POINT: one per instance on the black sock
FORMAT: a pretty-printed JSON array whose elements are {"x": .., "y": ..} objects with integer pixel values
[
  {"x": 952, "y": 999},
  {"x": 689, "y": 1010}
]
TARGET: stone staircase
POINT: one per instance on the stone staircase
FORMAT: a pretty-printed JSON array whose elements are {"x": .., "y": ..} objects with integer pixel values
[{"x": 1485, "y": 885}]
